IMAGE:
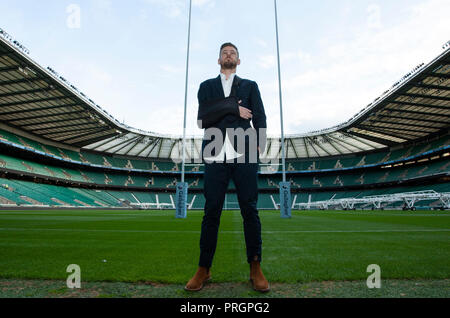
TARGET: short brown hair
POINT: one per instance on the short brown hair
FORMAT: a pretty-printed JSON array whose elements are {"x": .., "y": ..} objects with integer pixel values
[{"x": 228, "y": 44}]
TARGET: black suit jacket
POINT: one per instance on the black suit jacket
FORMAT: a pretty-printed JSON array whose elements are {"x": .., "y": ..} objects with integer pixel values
[{"x": 219, "y": 112}]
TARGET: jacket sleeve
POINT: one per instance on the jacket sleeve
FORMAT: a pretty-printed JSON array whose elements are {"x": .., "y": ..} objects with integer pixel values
[
  {"x": 259, "y": 117},
  {"x": 212, "y": 111}
]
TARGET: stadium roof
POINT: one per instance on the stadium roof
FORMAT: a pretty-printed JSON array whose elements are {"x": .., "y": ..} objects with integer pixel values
[{"x": 38, "y": 101}]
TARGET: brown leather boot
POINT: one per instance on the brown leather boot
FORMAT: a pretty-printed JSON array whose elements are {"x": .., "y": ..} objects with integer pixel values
[
  {"x": 201, "y": 276},
  {"x": 259, "y": 282}
]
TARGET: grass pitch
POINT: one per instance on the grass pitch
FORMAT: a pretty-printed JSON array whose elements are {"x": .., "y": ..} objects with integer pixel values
[{"x": 154, "y": 246}]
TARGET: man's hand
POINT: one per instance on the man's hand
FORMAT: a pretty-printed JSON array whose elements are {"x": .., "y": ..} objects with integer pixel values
[{"x": 245, "y": 113}]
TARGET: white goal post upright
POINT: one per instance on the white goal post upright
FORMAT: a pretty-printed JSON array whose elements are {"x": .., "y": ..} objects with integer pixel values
[
  {"x": 182, "y": 187},
  {"x": 285, "y": 187}
]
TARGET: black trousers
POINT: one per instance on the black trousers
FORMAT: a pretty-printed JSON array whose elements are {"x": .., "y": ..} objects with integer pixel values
[{"x": 216, "y": 180}]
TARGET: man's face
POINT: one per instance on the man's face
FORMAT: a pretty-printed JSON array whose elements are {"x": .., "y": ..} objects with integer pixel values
[{"x": 229, "y": 58}]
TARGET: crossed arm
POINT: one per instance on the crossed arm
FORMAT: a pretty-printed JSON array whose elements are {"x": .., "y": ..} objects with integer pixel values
[{"x": 212, "y": 111}]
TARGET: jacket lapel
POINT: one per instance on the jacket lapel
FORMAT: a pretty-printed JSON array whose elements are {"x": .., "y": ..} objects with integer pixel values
[
  {"x": 219, "y": 87},
  {"x": 235, "y": 86}
]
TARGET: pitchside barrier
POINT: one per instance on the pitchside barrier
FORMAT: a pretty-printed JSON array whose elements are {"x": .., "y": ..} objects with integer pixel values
[{"x": 408, "y": 199}]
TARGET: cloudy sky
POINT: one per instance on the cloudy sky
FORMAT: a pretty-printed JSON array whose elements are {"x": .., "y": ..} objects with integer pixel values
[{"x": 130, "y": 56}]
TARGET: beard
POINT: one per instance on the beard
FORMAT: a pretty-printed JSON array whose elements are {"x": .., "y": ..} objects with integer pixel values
[{"x": 229, "y": 64}]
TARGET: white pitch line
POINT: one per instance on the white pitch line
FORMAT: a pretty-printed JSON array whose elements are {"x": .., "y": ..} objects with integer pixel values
[
  {"x": 231, "y": 232},
  {"x": 362, "y": 231}
]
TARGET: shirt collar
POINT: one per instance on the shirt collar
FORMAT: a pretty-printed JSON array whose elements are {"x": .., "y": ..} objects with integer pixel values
[{"x": 223, "y": 76}]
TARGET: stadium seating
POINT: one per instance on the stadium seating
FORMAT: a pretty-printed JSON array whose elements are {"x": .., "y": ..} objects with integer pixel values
[
  {"x": 128, "y": 181},
  {"x": 24, "y": 193},
  {"x": 109, "y": 161},
  {"x": 348, "y": 178}
]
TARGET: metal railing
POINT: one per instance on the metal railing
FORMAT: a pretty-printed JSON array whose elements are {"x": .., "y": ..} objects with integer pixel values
[{"x": 409, "y": 199}]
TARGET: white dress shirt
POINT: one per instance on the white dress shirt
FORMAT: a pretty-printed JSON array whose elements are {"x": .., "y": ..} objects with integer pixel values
[
  {"x": 227, "y": 152},
  {"x": 227, "y": 83}
]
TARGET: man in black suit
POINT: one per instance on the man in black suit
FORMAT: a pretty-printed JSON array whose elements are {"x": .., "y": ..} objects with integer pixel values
[{"x": 230, "y": 150}]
